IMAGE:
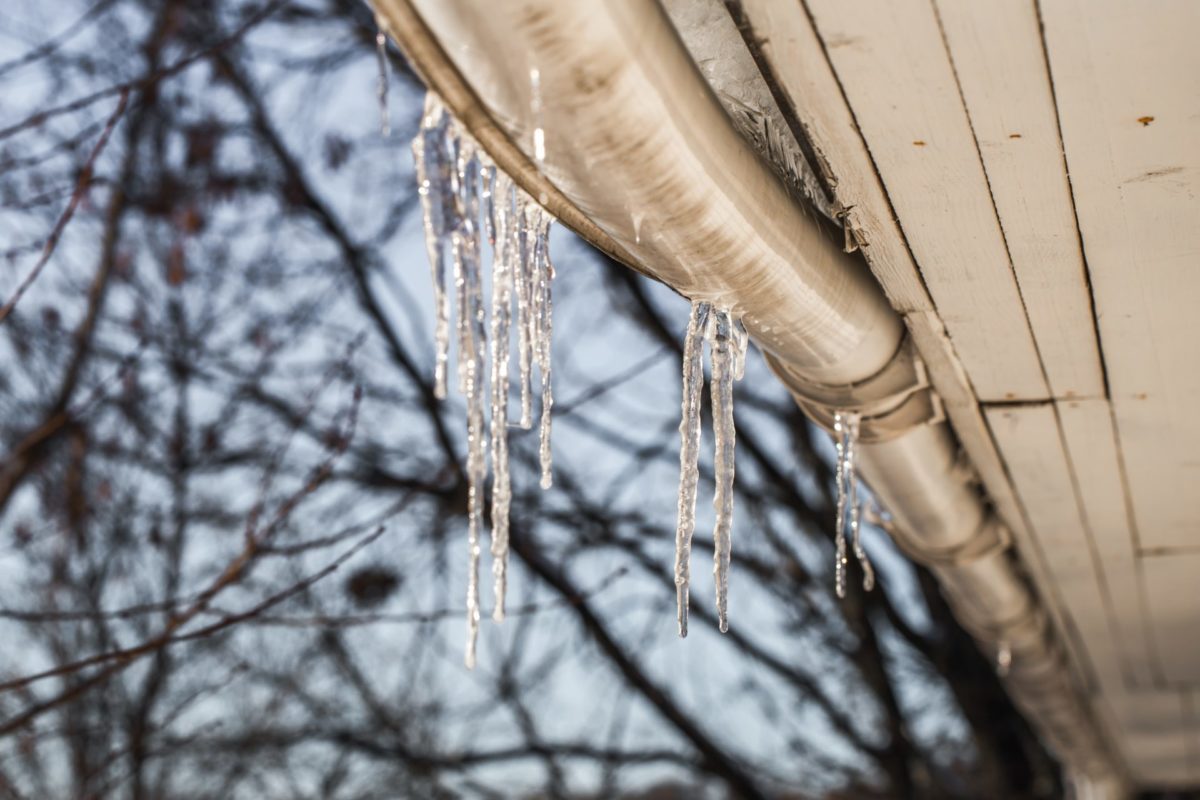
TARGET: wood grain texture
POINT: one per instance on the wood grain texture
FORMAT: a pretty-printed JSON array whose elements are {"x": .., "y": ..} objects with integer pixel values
[
  {"x": 1092, "y": 449},
  {"x": 1191, "y": 704},
  {"x": 1127, "y": 82},
  {"x": 996, "y": 50},
  {"x": 1171, "y": 588},
  {"x": 1152, "y": 728},
  {"x": 967, "y": 419},
  {"x": 1029, "y": 440},
  {"x": 958, "y": 398},
  {"x": 894, "y": 69}
]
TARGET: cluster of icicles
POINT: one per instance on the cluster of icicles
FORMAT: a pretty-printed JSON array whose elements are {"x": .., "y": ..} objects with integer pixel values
[
  {"x": 727, "y": 342},
  {"x": 459, "y": 186}
]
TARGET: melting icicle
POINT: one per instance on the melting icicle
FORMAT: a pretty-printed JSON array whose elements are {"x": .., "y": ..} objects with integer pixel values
[
  {"x": 472, "y": 360},
  {"x": 689, "y": 456},
  {"x": 463, "y": 195},
  {"x": 727, "y": 344},
  {"x": 433, "y": 168},
  {"x": 741, "y": 342},
  {"x": 841, "y": 428},
  {"x": 472, "y": 338},
  {"x": 864, "y": 563},
  {"x": 488, "y": 174},
  {"x": 523, "y": 281},
  {"x": 1003, "y": 659},
  {"x": 498, "y": 205},
  {"x": 722, "y": 358},
  {"x": 846, "y": 426},
  {"x": 385, "y": 124},
  {"x": 543, "y": 269}
]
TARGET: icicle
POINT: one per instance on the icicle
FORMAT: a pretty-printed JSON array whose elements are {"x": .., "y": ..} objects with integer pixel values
[
  {"x": 498, "y": 219},
  {"x": 868, "y": 582},
  {"x": 465, "y": 187},
  {"x": 385, "y": 124},
  {"x": 523, "y": 281},
  {"x": 1003, "y": 658},
  {"x": 845, "y": 426},
  {"x": 472, "y": 357},
  {"x": 741, "y": 344},
  {"x": 488, "y": 173},
  {"x": 842, "y": 434},
  {"x": 727, "y": 343},
  {"x": 721, "y": 360},
  {"x": 543, "y": 326},
  {"x": 433, "y": 168},
  {"x": 689, "y": 455},
  {"x": 463, "y": 195}
]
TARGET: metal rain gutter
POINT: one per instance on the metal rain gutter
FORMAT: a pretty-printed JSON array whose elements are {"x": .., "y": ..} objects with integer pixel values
[{"x": 655, "y": 174}]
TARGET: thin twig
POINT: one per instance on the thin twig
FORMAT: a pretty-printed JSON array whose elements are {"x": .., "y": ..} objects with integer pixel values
[
  {"x": 81, "y": 187},
  {"x": 151, "y": 78}
]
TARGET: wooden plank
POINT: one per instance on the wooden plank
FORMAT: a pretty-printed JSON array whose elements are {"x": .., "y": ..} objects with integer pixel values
[
  {"x": 1174, "y": 605},
  {"x": 1151, "y": 729},
  {"x": 996, "y": 50},
  {"x": 1091, "y": 446},
  {"x": 952, "y": 385},
  {"x": 1191, "y": 703},
  {"x": 1127, "y": 83},
  {"x": 897, "y": 77},
  {"x": 810, "y": 92},
  {"x": 966, "y": 417},
  {"x": 1028, "y": 438}
]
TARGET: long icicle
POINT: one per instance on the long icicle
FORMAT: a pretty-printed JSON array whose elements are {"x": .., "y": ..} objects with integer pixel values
[
  {"x": 842, "y": 443},
  {"x": 433, "y": 186},
  {"x": 741, "y": 343},
  {"x": 472, "y": 362},
  {"x": 497, "y": 213},
  {"x": 544, "y": 324},
  {"x": 523, "y": 282},
  {"x": 721, "y": 355},
  {"x": 468, "y": 364},
  {"x": 864, "y": 563},
  {"x": 845, "y": 428},
  {"x": 689, "y": 456}
]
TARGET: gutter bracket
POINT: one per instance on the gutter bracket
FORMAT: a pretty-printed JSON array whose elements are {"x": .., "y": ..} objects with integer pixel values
[{"x": 894, "y": 400}]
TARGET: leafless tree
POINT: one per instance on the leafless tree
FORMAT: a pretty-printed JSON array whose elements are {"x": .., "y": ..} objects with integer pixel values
[{"x": 232, "y": 512}]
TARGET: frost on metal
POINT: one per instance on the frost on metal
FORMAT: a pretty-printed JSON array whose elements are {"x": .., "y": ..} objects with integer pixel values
[
  {"x": 719, "y": 51},
  {"x": 845, "y": 429},
  {"x": 768, "y": 134},
  {"x": 727, "y": 342},
  {"x": 466, "y": 199}
]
